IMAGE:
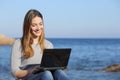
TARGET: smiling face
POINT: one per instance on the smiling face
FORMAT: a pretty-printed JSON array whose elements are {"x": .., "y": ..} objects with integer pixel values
[{"x": 36, "y": 26}]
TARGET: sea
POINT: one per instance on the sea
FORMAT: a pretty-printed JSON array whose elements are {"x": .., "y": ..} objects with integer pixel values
[{"x": 87, "y": 57}]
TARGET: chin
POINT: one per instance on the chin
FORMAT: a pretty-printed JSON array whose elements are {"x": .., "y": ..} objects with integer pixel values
[{"x": 37, "y": 35}]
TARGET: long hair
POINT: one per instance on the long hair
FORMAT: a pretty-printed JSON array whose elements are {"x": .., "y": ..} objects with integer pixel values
[{"x": 27, "y": 38}]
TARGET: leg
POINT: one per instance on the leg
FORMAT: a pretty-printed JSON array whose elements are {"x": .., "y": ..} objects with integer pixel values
[
  {"x": 46, "y": 75},
  {"x": 60, "y": 75}
]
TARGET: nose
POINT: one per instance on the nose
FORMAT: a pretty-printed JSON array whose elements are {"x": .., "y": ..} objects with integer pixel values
[{"x": 38, "y": 27}]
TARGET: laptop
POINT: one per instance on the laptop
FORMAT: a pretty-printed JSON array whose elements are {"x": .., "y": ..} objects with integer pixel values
[{"x": 52, "y": 59}]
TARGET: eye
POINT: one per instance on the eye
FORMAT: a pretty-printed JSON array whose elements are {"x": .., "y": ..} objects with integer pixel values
[
  {"x": 40, "y": 24},
  {"x": 33, "y": 25}
]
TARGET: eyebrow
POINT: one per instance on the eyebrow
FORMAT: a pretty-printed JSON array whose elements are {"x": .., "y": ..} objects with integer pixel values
[{"x": 36, "y": 23}]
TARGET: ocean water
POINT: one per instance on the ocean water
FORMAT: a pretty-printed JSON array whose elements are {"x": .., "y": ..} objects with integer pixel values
[{"x": 87, "y": 56}]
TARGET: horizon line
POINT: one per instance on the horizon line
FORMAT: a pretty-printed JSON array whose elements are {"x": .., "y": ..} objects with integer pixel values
[{"x": 74, "y": 38}]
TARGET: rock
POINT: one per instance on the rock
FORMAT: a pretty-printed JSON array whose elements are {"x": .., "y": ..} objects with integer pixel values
[
  {"x": 111, "y": 68},
  {"x": 4, "y": 40}
]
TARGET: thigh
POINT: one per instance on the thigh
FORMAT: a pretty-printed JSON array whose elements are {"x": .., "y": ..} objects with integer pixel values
[
  {"x": 46, "y": 75},
  {"x": 32, "y": 77}
]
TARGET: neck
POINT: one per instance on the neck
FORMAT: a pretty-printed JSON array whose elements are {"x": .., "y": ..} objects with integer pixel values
[{"x": 35, "y": 40}]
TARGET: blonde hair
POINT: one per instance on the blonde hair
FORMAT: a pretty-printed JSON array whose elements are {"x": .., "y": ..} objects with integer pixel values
[{"x": 27, "y": 38}]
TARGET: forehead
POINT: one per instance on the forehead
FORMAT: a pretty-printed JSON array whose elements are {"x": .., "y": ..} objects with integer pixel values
[{"x": 36, "y": 20}]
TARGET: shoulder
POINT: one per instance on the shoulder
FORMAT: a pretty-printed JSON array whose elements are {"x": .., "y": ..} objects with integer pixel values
[
  {"x": 17, "y": 43},
  {"x": 48, "y": 44}
]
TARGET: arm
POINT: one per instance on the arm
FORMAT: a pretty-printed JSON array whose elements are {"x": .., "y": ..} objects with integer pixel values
[
  {"x": 48, "y": 44},
  {"x": 16, "y": 61}
]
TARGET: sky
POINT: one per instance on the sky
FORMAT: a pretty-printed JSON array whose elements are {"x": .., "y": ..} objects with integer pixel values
[{"x": 64, "y": 18}]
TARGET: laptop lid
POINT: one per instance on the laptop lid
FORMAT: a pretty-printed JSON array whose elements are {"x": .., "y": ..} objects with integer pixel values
[{"x": 55, "y": 58}]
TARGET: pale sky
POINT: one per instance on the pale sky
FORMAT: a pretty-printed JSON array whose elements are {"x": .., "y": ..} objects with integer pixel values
[{"x": 64, "y": 18}]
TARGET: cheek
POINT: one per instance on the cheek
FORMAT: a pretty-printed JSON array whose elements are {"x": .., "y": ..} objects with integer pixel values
[
  {"x": 32, "y": 29},
  {"x": 42, "y": 27}
]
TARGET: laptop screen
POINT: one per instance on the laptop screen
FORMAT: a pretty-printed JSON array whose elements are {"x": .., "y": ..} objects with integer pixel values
[{"x": 55, "y": 57}]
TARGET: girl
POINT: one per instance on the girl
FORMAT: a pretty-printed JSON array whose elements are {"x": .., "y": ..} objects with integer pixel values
[{"x": 27, "y": 51}]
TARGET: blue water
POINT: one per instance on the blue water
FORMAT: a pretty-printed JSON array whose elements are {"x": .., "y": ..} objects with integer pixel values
[{"x": 87, "y": 56}]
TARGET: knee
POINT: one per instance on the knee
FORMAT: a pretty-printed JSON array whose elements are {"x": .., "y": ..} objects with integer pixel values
[
  {"x": 60, "y": 75},
  {"x": 47, "y": 74},
  {"x": 59, "y": 72}
]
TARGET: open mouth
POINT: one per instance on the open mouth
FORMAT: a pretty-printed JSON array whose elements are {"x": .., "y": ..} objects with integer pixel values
[{"x": 37, "y": 30}]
